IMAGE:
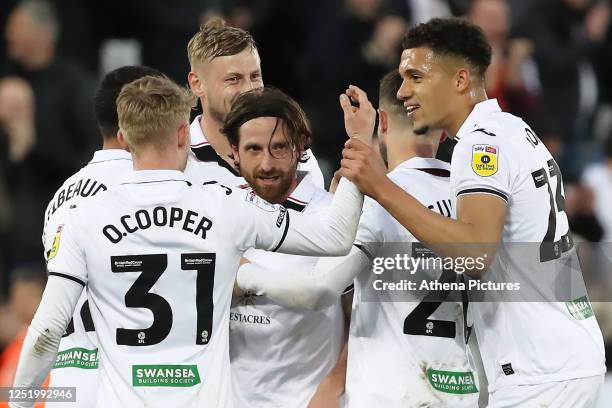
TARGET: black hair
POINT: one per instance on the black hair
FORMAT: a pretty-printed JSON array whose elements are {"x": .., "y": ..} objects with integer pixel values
[
  {"x": 389, "y": 85},
  {"x": 105, "y": 100},
  {"x": 454, "y": 37}
]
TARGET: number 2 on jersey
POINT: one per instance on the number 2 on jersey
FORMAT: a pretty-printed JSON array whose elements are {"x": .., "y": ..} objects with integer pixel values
[
  {"x": 418, "y": 322},
  {"x": 139, "y": 296}
]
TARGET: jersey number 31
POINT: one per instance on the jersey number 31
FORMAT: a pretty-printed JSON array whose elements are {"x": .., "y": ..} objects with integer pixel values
[{"x": 139, "y": 295}]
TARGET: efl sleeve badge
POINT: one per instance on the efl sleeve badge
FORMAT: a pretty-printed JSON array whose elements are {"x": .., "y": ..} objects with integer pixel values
[
  {"x": 484, "y": 159},
  {"x": 56, "y": 243}
]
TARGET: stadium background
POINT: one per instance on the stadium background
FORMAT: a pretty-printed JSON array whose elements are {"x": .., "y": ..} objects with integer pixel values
[{"x": 552, "y": 65}]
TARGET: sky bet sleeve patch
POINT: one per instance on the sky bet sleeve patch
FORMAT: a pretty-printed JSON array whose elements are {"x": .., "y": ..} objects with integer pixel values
[
  {"x": 56, "y": 243},
  {"x": 484, "y": 159}
]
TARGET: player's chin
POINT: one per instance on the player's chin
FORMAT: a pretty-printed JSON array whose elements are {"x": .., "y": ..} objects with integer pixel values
[
  {"x": 420, "y": 129},
  {"x": 267, "y": 192}
]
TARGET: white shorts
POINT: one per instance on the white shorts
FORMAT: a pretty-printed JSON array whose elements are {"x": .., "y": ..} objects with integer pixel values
[{"x": 577, "y": 393}]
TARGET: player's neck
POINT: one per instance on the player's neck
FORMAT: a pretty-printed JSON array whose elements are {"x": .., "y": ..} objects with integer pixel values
[
  {"x": 111, "y": 143},
  {"x": 459, "y": 116},
  {"x": 399, "y": 150},
  {"x": 291, "y": 189},
  {"x": 153, "y": 159},
  {"x": 211, "y": 129}
]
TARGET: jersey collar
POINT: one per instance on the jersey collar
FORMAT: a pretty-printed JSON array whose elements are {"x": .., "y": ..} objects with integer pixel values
[
  {"x": 427, "y": 164},
  {"x": 303, "y": 193},
  {"x": 154, "y": 176},
  {"x": 481, "y": 110},
  {"x": 203, "y": 150},
  {"x": 196, "y": 134},
  {"x": 110, "y": 154}
]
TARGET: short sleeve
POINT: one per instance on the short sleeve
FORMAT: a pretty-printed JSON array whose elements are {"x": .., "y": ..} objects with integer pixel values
[
  {"x": 481, "y": 166},
  {"x": 66, "y": 257}
]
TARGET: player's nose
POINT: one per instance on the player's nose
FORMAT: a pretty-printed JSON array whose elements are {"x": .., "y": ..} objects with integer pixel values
[
  {"x": 405, "y": 91},
  {"x": 250, "y": 85},
  {"x": 267, "y": 162}
]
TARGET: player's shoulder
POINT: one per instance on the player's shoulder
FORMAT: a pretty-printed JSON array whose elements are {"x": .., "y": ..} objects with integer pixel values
[
  {"x": 497, "y": 128},
  {"x": 421, "y": 175},
  {"x": 199, "y": 172},
  {"x": 218, "y": 194},
  {"x": 313, "y": 193}
]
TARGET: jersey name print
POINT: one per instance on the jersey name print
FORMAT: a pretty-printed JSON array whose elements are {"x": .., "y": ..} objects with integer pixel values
[
  {"x": 171, "y": 217},
  {"x": 84, "y": 187}
]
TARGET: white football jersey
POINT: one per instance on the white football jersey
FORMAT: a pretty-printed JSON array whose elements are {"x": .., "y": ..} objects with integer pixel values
[
  {"x": 159, "y": 258},
  {"x": 543, "y": 338},
  {"x": 204, "y": 152},
  {"x": 77, "y": 358},
  {"x": 406, "y": 353},
  {"x": 280, "y": 355}
]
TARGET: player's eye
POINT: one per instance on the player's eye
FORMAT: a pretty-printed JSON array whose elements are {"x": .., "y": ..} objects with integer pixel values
[
  {"x": 232, "y": 80},
  {"x": 280, "y": 149},
  {"x": 256, "y": 76},
  {"x": 416, "y": 78}
]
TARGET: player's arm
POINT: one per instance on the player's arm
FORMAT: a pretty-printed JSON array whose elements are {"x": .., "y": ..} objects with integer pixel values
[
  {"x": 320, "y": 286},
  {"x": 480, "y": 217},
  {"x": 330, "y": 390},
  {"x": 312, "y": 289},
  {"x": 67, "y": 278},
  {"x": 42, "y": 340}
]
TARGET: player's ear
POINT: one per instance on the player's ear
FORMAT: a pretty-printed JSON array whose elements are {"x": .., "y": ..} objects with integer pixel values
[
  {"x": 183, "y": 135},
  {"x": 462, "y": 80},
  {"x": 121, "y": 140},
  {"x": 383, "y": 122},
  {"x": 195, "y": 84},
  {"x": 234, "y": 150}
]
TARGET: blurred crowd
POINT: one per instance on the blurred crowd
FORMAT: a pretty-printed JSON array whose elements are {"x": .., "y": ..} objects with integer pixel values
[{"x": 552, "y": 65}]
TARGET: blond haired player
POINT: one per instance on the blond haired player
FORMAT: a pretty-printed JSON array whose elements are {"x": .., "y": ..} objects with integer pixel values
[
  {"x": 225, "y": 63},
  {"x": 159, "y": 256}
]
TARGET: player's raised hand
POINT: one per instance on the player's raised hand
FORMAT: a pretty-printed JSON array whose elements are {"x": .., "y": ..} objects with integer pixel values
[
  {"x": 359, "y": 120},
  {"x": 363, "y": 166}
]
